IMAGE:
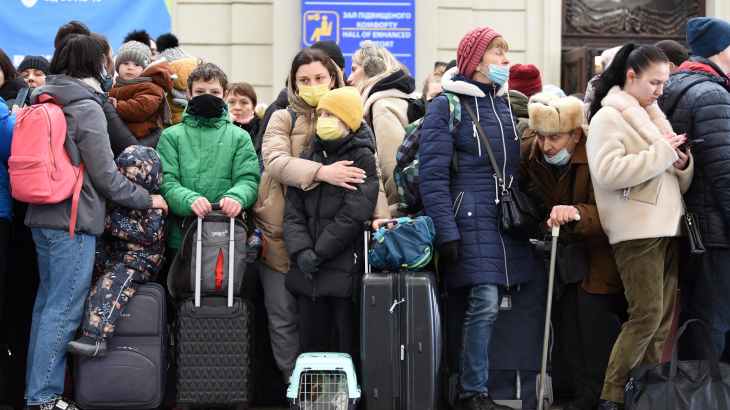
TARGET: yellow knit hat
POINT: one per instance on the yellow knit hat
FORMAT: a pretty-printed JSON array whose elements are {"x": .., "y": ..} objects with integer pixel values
[{"x": 344, "y": 103}]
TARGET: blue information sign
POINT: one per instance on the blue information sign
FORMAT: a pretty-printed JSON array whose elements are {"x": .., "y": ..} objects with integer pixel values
[
  {"x": 390, "y": 24},
  {"x": 29, "y": 26}
]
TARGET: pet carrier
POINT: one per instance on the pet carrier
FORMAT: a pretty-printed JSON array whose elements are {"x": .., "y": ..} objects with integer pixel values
[{"x": 324, "y": 381}]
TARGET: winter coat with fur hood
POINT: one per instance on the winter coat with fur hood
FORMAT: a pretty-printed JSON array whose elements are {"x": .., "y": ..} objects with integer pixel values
[
  {"x": 463, "y": 207},
  {"x": 281, "y": 147},
  {"x": 697, "y": 102},
  {"x": 328, "y": 219},
  {"x": 141, "y": 105},
  {"x": 638, "y": 189},
  {"x": 386, "y": 112}
]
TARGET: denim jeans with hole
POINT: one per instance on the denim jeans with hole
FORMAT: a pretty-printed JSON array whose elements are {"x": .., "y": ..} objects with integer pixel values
[
  {"x": 65, "y": 265},
  {"x": 483, "y": 302}
]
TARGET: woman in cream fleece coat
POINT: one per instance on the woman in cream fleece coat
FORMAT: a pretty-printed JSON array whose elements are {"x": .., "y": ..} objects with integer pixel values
[
  {"x": 386, "y": 89},
  {"x": 639, "y": 176}
]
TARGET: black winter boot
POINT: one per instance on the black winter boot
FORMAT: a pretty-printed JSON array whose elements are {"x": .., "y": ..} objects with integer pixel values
[{"x": 87, "y": 346}]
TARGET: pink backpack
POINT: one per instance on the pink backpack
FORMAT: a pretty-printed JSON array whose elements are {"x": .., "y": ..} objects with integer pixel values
[{"x": 40, "y": 168}]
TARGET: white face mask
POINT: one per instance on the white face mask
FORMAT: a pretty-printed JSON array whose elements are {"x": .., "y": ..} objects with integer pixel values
[{"x": 562, "y": 157}]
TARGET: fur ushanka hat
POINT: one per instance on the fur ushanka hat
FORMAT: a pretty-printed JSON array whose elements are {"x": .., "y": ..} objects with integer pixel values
[{"x": 552, "y": 114}]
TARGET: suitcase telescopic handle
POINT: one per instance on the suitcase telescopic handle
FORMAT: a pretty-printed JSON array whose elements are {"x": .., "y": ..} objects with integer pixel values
[
  {"x": 199, "y": 254},
  {"x": 366, "y": 229}
]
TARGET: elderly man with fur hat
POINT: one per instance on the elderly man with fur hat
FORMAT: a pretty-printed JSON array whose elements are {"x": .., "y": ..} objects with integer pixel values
[{"x": 554, "y": 158}]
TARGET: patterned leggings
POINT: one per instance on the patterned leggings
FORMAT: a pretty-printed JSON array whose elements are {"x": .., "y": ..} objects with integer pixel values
[{"x": 109, "y": 296}]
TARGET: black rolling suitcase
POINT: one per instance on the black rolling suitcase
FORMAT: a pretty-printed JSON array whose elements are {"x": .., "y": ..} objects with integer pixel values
[
  {"x": 213, "y": 343},
  {"x": 401, "y": 340},
  {"x": 132, "y": 374},
  {"x": 515, "y": 347}
]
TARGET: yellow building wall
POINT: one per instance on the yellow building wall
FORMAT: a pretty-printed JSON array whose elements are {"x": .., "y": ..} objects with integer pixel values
[{"x": 255, "y": 40}]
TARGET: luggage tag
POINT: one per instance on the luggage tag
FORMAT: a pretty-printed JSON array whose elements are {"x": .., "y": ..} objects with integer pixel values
[{"x": 506, "y": 303}]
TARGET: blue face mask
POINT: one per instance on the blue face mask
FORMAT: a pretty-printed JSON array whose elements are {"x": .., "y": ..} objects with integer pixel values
[
  {"x": 498, "y": 74},
  {"x": 108, "y": 82},
  {"x": 562, "y": 157}
]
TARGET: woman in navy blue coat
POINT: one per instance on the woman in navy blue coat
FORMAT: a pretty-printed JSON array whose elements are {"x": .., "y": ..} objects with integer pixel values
[{"x": 464, "y": 206}]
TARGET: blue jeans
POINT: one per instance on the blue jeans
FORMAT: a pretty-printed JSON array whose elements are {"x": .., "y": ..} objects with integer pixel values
[
  {"x": 65, "y": 266},
  {"x": 705, "y": 297},
  {"x": 483, "y": 301}
]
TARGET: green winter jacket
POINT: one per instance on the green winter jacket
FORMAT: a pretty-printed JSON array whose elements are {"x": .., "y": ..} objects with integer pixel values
[{"x": 207, "y": 157}]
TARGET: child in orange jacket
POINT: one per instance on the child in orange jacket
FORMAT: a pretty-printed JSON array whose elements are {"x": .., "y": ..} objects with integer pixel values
[{"x": 140, "y": 89}]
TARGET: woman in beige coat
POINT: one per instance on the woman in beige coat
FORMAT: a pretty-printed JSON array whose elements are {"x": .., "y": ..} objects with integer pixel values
[
  {"x": 287, "y": 134},
  {"x": 386, "y": 89},
  {"x": 639, "y": 177}
]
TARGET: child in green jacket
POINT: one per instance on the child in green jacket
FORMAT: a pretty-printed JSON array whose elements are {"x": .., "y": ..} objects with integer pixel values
[{"x": 206, "y": 158}]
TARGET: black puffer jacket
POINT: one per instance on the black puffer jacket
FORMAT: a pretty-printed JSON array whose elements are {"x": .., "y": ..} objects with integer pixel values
[
  {"x": 329, "y": 219},
  {"x": 698, "y": 103}
]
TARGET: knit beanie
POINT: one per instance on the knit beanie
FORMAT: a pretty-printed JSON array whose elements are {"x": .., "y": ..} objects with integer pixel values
[
  {"x": 141, "y": 165},
  {"x": 471, "y": 49},
  {"x": 344, "y": 103},
  {"x": 708, "y": 36},
  {"x": 133, "y": 51},
  {"x": 169, "y": 47},
  {"x": 332, "y": 50},
  {"x": 674, "y": 51},
  {"x": 552, "y": 114},
  {"x": 525, "y": 79},
  {"x": 37, "y": 62}
]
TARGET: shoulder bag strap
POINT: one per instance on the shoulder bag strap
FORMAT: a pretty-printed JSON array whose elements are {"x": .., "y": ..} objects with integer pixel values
[
  {"x": 573, "y": 171},
  {"x": 479, "y": 128}
]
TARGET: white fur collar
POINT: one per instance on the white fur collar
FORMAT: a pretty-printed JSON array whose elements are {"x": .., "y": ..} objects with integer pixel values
[
  {"x": 650, "y": 122},
  {"x": 464, "y": 88},
  {"x": 392, "y": 93}
]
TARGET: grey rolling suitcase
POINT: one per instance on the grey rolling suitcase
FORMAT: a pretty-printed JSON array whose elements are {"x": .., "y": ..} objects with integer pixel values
[
  {"x": 401, "y": 340},
  {"x": 132, "y": 374},
  {"x": 214, "y": 343}
]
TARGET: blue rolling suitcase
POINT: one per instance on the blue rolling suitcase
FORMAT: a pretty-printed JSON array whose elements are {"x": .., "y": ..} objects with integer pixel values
[{"x": 515, "y": 347}]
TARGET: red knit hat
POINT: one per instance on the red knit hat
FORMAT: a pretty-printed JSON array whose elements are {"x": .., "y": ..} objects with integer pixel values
[
  {"x": 525, "y": 79},
  {"x": 471, "y": 49}
]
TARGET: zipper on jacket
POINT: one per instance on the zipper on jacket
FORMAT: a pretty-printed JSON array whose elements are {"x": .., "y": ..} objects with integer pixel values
[
  {"x": 504, "y": 252},
  {"x": 501, "y": 129},
  {"x": 626, "y": 193},
  {"x": 316, "y": 222}
]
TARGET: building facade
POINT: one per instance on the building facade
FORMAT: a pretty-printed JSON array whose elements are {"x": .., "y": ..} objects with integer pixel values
[{"x": 255, "y": 40}]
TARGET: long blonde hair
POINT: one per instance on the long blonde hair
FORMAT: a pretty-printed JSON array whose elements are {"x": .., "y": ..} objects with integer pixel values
[{"x": 381, "y": 63}]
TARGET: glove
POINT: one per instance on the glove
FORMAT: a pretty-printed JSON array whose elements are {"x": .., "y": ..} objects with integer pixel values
[
  {"x": 449, "y": 250},
  {"x": 308, "y": 262}
]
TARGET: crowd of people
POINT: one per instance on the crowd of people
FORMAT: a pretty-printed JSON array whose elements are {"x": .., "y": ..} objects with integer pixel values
[{"x": 159, "y": 135}]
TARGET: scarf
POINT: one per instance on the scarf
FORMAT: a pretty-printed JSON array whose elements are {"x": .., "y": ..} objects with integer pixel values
[{"x": 166, "y": 113}]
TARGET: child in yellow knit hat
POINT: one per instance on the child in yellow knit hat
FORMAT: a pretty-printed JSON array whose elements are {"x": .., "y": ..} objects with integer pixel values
[{"x": 323, "y": 228}]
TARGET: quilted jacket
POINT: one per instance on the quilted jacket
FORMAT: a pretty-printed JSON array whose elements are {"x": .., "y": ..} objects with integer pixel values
[
  {"x": 328, "y": 219},
  {"x": 703, "y": 112},
  {"x": 463, "y": 208},
  {"x": 207, "y": 157}
]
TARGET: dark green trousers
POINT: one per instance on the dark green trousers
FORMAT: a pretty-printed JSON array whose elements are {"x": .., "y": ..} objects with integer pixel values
[{"x": 648, "y": 269}]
